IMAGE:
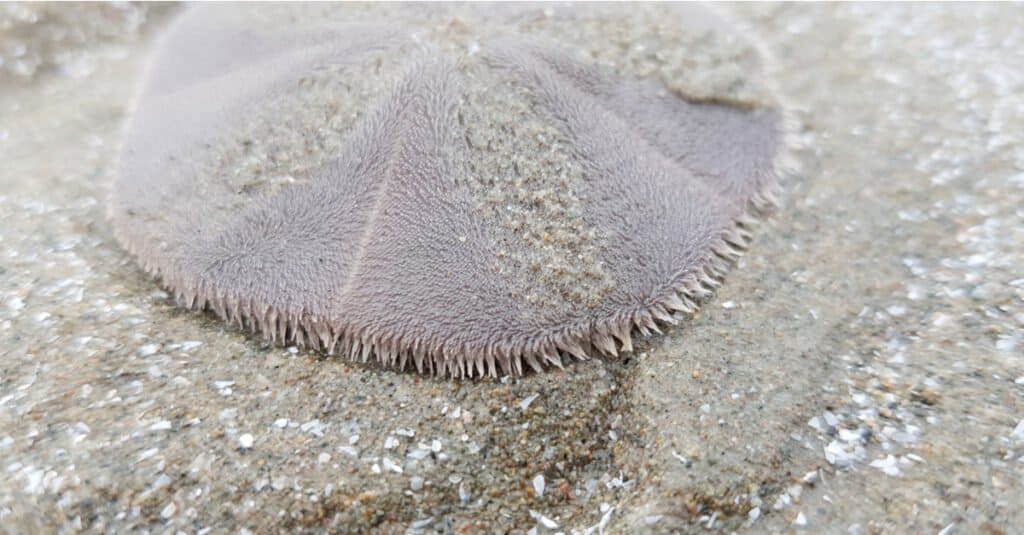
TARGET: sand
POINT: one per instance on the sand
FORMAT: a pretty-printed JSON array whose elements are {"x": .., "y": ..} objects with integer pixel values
[{"x": 861, "y": 371}]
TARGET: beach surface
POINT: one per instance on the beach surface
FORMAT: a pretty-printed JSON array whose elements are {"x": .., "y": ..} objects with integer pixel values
[{"x": 860, "y": 371}]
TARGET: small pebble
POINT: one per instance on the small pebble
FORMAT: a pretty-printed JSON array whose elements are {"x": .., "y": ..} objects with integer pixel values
[
  {"x": 162, "y": 425},
  {"x": 525, "y": 403},
  {"x": 544, "y": 521},
  {"x": 1018, "y": 432},
  {"x": 15, "y": 303},
  {"x": 888, "y": 465},
  {"x": 190, "y": 345},
  {"x": 388, "y": 464}
]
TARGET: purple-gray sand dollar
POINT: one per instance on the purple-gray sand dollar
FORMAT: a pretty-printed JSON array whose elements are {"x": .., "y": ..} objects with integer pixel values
[{"x": 457, "y": 189}]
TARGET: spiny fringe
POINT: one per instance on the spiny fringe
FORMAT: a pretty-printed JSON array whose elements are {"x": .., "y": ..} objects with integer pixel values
[{"x": 608, "y": 337}]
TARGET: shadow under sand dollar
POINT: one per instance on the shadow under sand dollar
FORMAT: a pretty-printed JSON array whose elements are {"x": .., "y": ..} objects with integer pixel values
[{"x": 725, "y": 400}]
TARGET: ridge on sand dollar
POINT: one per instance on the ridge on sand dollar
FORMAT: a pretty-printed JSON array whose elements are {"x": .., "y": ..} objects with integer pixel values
[{"x": 460, "y": 189}]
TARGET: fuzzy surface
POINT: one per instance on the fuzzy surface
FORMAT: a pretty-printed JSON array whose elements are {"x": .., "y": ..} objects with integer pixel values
[{"x": 448, "y": 189}]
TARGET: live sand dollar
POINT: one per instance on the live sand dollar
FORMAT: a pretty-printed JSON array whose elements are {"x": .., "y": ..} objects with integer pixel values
[{"x": 460, "y": 190}]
